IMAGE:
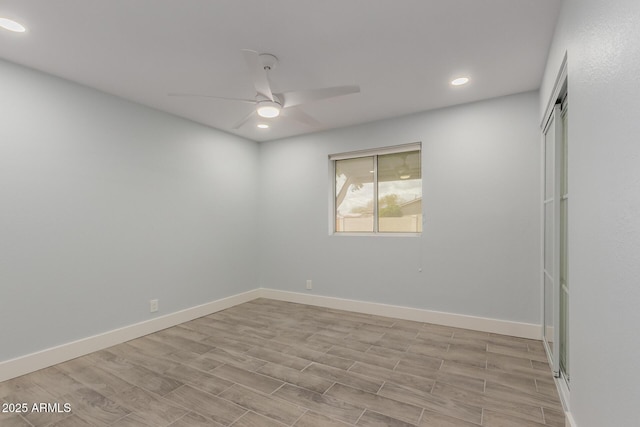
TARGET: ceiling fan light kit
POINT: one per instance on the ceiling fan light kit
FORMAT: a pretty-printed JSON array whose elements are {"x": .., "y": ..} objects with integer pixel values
[{"x": 268, "y": 109}]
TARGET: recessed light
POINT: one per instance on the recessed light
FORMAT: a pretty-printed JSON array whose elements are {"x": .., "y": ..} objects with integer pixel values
[
  {"x": 263, "y": 126},
  {"x": 11, "y": 25},
  {"x": 460, "y": 81}
]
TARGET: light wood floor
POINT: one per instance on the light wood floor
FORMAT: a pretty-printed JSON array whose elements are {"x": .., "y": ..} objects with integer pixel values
[{"x": 268, "y": 363}]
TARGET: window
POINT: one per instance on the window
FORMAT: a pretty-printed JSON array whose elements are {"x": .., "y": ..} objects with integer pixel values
[{"x": 378, "y": 191}]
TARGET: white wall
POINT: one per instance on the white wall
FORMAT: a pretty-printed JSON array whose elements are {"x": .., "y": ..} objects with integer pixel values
[
  {"x": 602, "y": 40},
  {"x": 479, "y": 252},
  {"x": 105, "y": 204}
]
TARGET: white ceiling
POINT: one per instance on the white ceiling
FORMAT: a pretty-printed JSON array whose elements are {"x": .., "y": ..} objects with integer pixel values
[{"x": 402, "y": 53}]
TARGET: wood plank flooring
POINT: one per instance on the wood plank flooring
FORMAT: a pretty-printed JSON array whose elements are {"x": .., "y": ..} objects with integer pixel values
[{"x": 268, "y": 363}]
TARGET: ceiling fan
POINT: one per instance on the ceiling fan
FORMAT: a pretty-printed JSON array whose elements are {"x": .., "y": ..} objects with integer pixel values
[{"x": 268, "y": 104}]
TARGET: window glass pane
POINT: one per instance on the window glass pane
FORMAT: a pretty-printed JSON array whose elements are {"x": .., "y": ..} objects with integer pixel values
[
  {"x": 548, "y": 161},
  {"x": 548, "y": 238},
  {"x": 400, "y": 193},
  {"x": 354, "y": 195},
  {"x": 563, "y": 241},
  {"x": 549, "y": 312}
]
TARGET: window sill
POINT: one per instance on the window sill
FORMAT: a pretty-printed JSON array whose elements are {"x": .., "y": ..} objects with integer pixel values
[{"x": 367, "y": 234}]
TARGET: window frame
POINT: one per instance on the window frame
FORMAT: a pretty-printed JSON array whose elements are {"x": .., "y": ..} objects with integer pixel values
[{"x": 415, "y": 146}]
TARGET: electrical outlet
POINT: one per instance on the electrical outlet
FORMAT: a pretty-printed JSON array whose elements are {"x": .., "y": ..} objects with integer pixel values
[
  {"x": 309, "y": 284},
  {"x": 153, "y": 305}
]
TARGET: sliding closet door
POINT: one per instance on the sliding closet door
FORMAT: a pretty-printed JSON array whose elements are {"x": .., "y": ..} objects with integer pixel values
[
  {"x": 551, "y": 217},
  {"x": 563, "y": 347},
  {"x": 556, "y": 244}
]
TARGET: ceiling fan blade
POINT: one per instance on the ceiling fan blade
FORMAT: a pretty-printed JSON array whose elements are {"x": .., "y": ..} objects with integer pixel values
[
  {"x": 299, "y": 115},
  {"x": 258, "y": 73},
  {"x": 244, "y": 120},
  {"x": 197, "y": 95},
  {"x": 291, "y": 99}
]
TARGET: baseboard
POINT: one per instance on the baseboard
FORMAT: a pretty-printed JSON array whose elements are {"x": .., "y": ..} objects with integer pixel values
[
  {"x": 563, "y": 393},
  {"x": 51, "y": 356},
  {"x": 504, "y": 327},
  {"x": 42, "y": 359}
]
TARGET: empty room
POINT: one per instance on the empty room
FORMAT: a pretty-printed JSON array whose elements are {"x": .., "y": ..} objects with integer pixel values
[{"x": 319, "y": 213}]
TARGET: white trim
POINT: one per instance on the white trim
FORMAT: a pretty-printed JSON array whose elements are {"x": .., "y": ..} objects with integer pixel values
[
  {"x": 541, "y": 220},
  {"x": 332, "y": 198},
  {"x": 375, "y": 234},
  {"x": 557, "y": 88},
  {"x": 504, "y": 327},
  {"x": 563, "y": 390},
  {"x": 569, "y": 421},
  {"x": 51, "y": 356}
]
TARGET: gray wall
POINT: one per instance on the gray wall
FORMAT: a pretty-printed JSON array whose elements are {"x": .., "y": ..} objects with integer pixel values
[
  {"x": 479, "y": 252},
  {"x": 105, "y": 205},
  {"x": 602, "y": 39}
]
